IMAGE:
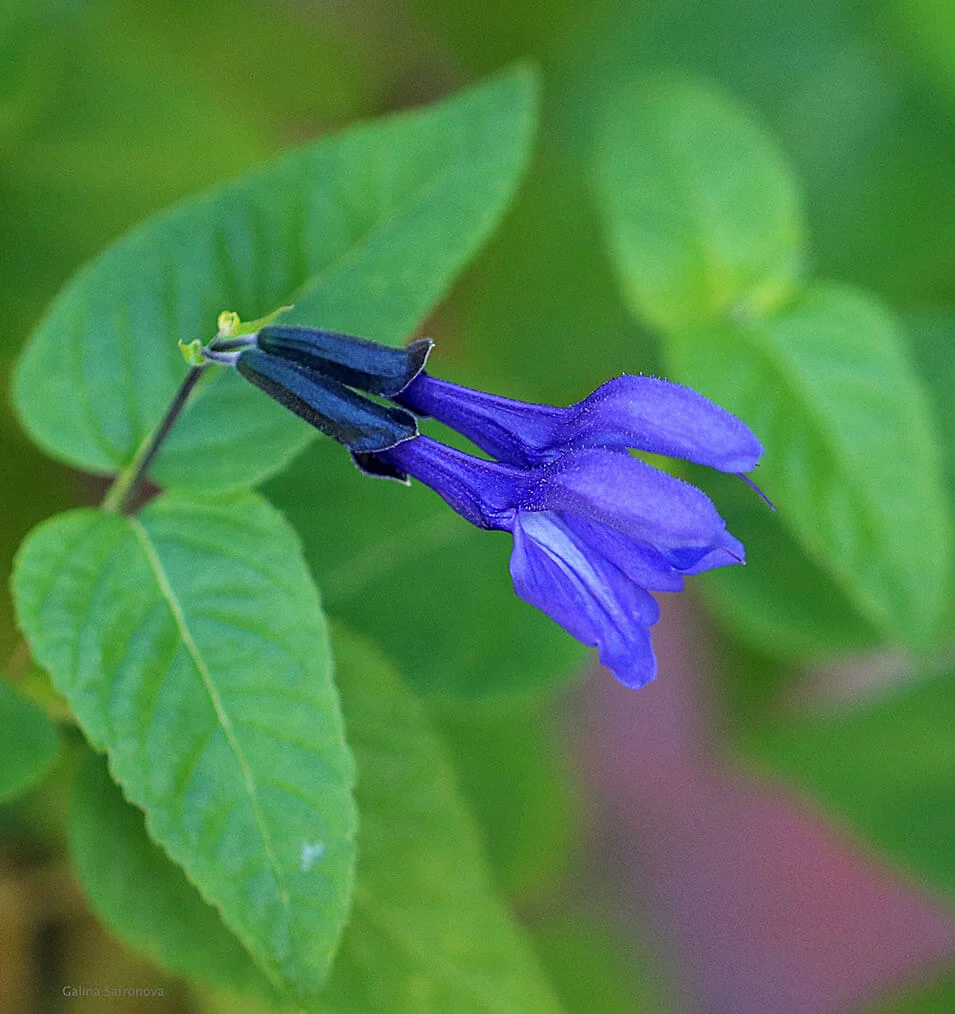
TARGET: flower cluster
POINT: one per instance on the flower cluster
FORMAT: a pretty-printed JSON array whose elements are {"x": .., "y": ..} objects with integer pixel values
[{"x": 595, "y": 529}]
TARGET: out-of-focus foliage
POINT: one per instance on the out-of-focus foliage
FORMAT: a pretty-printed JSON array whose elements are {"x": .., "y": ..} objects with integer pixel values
[
  {"x": 327, "y": 228},
  {"x": 703, "y": 224},
  {"x": 595, "y": 972},
  {"x": 888, "y": 767},
  {"x": 29, "y": 745},
  {"x": 518, "y": 787},
  {"x": 937, "y": 998},
  {"x": 700, "y": 209},
  {"x": 110, "y": 110}
]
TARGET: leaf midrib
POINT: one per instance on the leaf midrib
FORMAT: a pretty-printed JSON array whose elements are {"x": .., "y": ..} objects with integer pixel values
[{"x": 175, "y": 607}]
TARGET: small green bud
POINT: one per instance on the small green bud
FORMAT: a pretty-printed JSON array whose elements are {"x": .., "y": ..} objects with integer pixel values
[
  {"x": 228, "y": 324},
  {"x": 192, "y": 353}
]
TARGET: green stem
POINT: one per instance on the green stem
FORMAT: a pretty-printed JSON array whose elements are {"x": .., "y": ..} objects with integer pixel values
[{"x": 120, "y": 495}]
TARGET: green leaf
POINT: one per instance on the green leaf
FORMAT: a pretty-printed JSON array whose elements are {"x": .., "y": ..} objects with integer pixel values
[
  {"x": 191, "y": 647},
  {"x": 364, "y": 232},
  {"x": 427, "y": 932},
  {"x": 700, "y": 208},
  {"x": 782, "y": 603},
  {"x": 935, "y": 997},
  {"x": 888, "y": 768},
  {"x": 852, "y": 457},
  {"x": 401, "y": 567},
  {"x": 29, "y": 743},
  {"x": 143, "y": 897},
  {"x": 598, "y": 971},
  {"x": 932, "y": 337},
  {"x": 505, "y": 752}
]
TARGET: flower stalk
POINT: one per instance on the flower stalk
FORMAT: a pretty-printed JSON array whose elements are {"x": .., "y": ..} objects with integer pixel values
[{"x": 121, "y": 495}]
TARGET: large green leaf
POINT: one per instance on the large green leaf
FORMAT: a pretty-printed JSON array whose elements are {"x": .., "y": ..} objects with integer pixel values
[
  {"x": 851, "y": 454},
  {"x": 426, "y": 933},
  {"x": 401, "y": 567},
  {"x": 191, "y": 647},
  {"x": 363, "y": 232},
  {"x": 699, "y": 206},
  {"x": 29, "y": 742},
  {"x": 887, "y": 767}
]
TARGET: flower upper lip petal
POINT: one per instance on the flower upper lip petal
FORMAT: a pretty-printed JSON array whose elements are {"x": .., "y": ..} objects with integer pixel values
[
  {"x": 512, "y": 431},
  {"x": 641, "y": 412},
  {"x": 661, "y": 417}
]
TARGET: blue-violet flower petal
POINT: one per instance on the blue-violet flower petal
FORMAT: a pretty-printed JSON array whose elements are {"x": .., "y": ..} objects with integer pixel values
[{"x": 644, "y": 413}]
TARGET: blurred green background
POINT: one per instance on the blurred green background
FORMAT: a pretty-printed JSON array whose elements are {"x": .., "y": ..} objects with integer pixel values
[{"x": 109, "y": 110}]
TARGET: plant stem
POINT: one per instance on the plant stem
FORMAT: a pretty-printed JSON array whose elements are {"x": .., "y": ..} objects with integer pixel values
[{"x": 121, "y": 493}]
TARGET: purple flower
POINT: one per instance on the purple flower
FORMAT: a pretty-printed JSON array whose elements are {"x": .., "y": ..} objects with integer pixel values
[{"x": 595, "y": 531}]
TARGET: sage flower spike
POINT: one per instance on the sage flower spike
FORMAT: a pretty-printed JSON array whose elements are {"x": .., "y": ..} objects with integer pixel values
[{"x": 595, "y": 530}]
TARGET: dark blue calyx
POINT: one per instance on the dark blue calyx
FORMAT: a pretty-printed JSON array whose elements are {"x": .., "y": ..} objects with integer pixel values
[
  {"x": 362, "y": 425},
  {"x": 380, "y": 468},
  {"x": 357, "y": 362}
]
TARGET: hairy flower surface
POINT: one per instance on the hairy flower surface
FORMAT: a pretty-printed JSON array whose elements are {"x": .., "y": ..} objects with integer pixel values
[
  {"x": 629, "y": 411},
  {"x": 595, "y": 529}
]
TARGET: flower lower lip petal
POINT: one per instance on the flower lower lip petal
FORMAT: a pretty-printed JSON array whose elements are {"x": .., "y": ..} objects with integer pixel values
[
  {"x": 586, "y": 595},
  {"x": 640, "y": 562},
  {"x": 727, "y": 550}
]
